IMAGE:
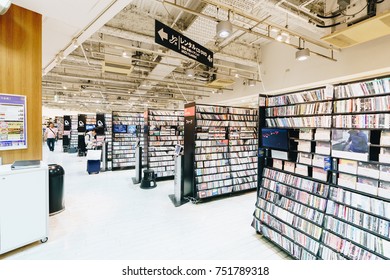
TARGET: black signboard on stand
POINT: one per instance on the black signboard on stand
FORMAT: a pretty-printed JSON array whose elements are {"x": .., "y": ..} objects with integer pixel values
[
  {"x": 100, "y": 124},
  {"x": 67, "y": 123},
  {"x": 82, "y": 119},
  {"x": 171, "y": 39}
]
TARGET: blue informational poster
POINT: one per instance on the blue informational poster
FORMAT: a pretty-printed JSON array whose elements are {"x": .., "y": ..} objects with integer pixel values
[{"x": 13, "y": 124}]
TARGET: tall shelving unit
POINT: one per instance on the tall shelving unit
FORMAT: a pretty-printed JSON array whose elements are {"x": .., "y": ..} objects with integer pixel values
[
  {"x": 318, "y": 203},
  {"x": 123, "y": 142},
  {"x": 213, "y": 137},
  {"x": 291, "y": 204},
  {"x": 357, "y": 219},
  {"x": 243, "y": 147},
  {"x": 73, "y": 132},
  {"x": 163, "y": 130},
  {"x": 108, "y": 139}
]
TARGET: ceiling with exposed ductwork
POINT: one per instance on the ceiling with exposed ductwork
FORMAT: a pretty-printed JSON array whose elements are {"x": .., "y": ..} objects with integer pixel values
[{"x": 120, "y": 67}]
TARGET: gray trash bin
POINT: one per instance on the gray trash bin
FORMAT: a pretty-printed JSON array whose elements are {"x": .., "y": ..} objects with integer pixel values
[{"x": 56, "y": 189}]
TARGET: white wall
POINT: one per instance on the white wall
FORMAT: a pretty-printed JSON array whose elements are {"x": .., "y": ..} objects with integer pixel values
[
  {"x": 281, "y": 72},
  {"x": 51, "y": 112},
  {"x": 239, "y": 95}
]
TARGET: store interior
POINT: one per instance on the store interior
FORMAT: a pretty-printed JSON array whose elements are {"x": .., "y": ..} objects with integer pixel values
[{"x": 218, "y": 129}]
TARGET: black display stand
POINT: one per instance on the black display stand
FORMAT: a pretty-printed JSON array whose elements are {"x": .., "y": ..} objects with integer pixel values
[{"x": 138, "y": 165}]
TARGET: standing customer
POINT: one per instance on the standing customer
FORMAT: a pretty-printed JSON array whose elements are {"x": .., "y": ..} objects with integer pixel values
[{"x": 51, "y": 134}]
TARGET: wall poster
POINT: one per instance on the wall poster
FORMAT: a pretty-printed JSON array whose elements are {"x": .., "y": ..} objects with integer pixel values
[{"x": 13, "y": 123}]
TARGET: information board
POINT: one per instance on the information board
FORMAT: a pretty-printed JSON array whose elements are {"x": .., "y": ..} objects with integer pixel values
[{"x": 13, "y": 124}]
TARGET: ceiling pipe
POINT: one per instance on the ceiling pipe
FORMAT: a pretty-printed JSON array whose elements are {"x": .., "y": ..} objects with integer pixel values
[
  {"x": 270, "y": 5},
  {"x": 217, "y": 56},
  {"x": 129, "y": 35},
  {"x": 260, "y": 34},
  {"x": 105, "y": 80},
  {"x": 114, "y": 7}
]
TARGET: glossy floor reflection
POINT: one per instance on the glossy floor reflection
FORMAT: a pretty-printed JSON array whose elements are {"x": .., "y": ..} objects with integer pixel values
[{"x": 107, "y": 217}]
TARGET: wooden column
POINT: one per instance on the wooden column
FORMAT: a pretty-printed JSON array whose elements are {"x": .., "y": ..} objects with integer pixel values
[{"x": 21, "y": 73}]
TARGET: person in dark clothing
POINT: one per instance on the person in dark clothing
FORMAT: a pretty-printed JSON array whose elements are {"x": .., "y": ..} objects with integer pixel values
[{"x": 358, "y": 141}]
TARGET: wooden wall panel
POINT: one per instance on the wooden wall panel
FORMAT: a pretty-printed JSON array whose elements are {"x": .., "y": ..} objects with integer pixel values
[{"x": 21, "y": 73}]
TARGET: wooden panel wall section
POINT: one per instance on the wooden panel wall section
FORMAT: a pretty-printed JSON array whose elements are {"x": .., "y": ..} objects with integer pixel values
[{"x": 21, "y": 73}]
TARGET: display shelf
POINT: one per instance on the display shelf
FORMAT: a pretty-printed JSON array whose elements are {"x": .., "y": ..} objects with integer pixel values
[
  {"x": 163, "y": 129},
  {"x": 295, "y": 251},
  {"x": 361, "y": 105},
  {"x": 358, "y": 244},
  {"x": 73, "y": 132},
  {"x": 384, "y": 199},
  {"x": 205, "y": 123},
  {"x": 126, "y": 131},
  {"x": 298, "y": 175}
]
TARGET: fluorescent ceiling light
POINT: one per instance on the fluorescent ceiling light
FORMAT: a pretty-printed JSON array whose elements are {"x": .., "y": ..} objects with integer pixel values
[
  {"x": 4, "y": 6},
  {"x": 224, "y": 29},
  {"x": 302, "y": 54}
]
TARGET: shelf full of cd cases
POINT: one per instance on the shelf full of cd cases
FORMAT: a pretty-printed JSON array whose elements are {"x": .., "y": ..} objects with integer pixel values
[
  {"x": 344, "y": 145},
  {"x": 108, "y": 139},
  {"x": 73, "y": 132},
  {"x": 220, "y": 150},
  {"x": 164, "y": 130},
  {"x": 126, "y": 131}
]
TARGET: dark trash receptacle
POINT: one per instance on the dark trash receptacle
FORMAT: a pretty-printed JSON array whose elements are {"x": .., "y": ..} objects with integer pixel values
[
  {"x": 56, "y": 189},
  {"x": 149, "y": 179}
]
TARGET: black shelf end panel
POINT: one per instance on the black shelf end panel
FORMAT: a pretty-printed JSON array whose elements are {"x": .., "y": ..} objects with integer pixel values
[{"x": 189, "y": 149}]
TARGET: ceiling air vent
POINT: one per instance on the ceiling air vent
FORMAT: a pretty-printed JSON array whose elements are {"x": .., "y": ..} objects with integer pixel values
[
  {"x": 361, "y": 32},
  {"x": 220, "y": 81},
  {"x": 117, "y": 65}
]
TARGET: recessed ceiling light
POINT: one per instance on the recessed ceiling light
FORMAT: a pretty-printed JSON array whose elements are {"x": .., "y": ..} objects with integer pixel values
[
  {"x": 124, "y": 54},
  {"x": 236, "y": 75}
]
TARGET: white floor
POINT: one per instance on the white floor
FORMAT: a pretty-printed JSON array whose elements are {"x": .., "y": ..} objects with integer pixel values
[{"x": 107, "y": 217}]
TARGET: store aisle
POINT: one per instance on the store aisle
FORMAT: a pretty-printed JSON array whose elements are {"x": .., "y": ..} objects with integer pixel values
[{"x": 107, "y": 217}]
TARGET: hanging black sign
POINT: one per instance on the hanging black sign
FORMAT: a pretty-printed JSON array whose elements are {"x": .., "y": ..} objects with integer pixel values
[
  {"x": 67, "y": 123},
  {"x": 100, "y": 124},
  {"x": 171, "y": 39},
  {"x": 82, "y": 119}
]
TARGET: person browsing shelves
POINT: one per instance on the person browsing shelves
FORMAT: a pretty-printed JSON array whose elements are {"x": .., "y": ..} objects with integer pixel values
[
  {"x": 90, "y": 139},
  {"x": 51, "y": 134}
]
